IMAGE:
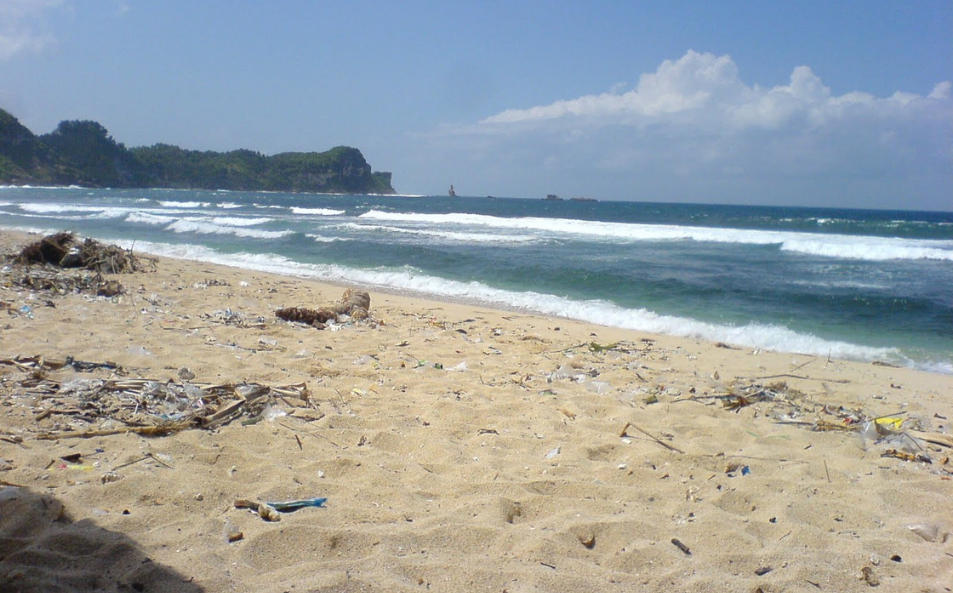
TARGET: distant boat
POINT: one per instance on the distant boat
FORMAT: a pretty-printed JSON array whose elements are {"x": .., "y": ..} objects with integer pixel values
[
  {"x": 453, "y": 194},
  {"x": 553, "y": 198}
]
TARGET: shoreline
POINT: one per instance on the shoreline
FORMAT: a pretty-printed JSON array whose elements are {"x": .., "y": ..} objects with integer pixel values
[
  {"x": 460, "y": 447},
  {"x": 931, "y": 367},
  {"x": 887, "y": 352},
  {"x": 725, "y": 333}
]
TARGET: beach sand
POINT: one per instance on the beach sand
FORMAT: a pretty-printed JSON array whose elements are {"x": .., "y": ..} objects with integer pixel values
[{"x": 459, "y": 448}]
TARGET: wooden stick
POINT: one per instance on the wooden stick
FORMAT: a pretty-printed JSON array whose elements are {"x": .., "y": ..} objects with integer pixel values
[
  {"x": 802, "y": 377},
  {"x": 653, "y": 437}
]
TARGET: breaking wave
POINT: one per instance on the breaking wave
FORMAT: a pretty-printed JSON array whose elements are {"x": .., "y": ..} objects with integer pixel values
[
  {"x": 317, "y": 211},
  {"x": 206, "y": 228},
  {"x": 827, "y": 245}
]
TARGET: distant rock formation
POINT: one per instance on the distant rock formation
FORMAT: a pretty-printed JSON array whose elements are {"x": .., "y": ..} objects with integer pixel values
[
  {"x": 83, "y": 153},
  {"x": 553, "y": 198}
]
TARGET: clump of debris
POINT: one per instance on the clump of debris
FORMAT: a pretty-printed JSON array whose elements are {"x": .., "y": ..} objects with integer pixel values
[
  {"x": 42, "y": 265},
  {"x": 354, "y": 304},
  {"x": 64, "y": 250}
]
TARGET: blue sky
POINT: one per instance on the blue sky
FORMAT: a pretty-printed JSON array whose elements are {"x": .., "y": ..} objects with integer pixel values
[{"x": 798, "y": 103}]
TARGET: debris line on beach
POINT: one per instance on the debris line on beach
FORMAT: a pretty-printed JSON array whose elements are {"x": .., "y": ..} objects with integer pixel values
[{"x": 149, "y": 407}]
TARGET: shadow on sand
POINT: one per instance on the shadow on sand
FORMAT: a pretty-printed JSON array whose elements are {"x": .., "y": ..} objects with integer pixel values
[{"x": 43, "y": 549}]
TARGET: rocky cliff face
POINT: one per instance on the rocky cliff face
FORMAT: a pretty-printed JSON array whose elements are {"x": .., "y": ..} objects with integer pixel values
[{"x": 83, "y": 153}]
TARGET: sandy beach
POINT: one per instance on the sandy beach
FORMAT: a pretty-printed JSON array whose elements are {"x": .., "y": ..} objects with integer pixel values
[{"x": 459, "y": 449}]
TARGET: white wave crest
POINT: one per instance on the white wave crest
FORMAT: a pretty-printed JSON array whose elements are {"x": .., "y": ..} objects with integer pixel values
[
  {"x": 237, "y": 221},
  {"x": 827, "y": 245},
  {"x": 870, "y": 248},
  {"x": 67, "y": 210},
  {"x": 228, "y": 205},
  {"x": 208, "y": 228},
  {"x": 317, "y": 211},
  {"x": 326, "y": 239},
  {"x": 146, "y": 218},
  {"x": 172, "y": 204},
  {"x": 449, "y": 235}
]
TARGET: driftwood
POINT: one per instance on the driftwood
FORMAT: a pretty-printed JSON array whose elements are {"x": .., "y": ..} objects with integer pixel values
[{"x": 354, "y": 303}]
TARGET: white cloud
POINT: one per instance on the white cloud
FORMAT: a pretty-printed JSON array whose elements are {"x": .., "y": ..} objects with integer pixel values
[
  {"x": 706, "y": 90},
  {"x": 23, "y": 26},
  {"x": 694, "y": 130}
]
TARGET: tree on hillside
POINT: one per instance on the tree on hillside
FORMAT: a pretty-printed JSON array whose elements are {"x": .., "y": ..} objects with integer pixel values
[{"x": 88, "y": 146}]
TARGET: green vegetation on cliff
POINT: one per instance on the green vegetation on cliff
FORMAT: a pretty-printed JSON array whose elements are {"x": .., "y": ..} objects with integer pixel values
[{"x": 83, "y": 153}]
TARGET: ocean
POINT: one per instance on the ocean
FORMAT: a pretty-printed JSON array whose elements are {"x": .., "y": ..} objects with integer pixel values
[{"x": 866, "y": 285}]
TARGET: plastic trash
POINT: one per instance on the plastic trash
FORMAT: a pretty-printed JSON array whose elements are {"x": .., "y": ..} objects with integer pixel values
[
  {"x": 270, "y": 413},
  {"x": 600, "y": 387},
  {"x": 294, "y": 505},
  {"x": 929, "y": 532}
]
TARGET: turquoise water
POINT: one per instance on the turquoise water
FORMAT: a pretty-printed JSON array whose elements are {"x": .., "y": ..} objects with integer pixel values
[{"x": 857, "y": 284}]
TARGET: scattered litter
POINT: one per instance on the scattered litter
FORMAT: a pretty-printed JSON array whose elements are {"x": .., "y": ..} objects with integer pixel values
[
  {"x": 553, "y": 453},
  {"x": 929, "y": 532},
  {"x": 269, "y": 511},
  {"x": 587, "y": 539},
  {"x": 678, "y": 544},
  {"x": 624, "y": 433},
  {"x": 232, "y": 534},
  {"x": 110, "y": 477},
  {"x": 294, "y": 505},
  {"x": 150, "y": 407},
  {"x": 867, "y": 575},
  {"x": 266, "y": 512}
]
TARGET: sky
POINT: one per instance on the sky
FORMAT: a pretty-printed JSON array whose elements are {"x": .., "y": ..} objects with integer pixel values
[{"x": 802, "y": 103}]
